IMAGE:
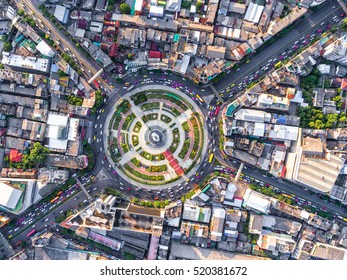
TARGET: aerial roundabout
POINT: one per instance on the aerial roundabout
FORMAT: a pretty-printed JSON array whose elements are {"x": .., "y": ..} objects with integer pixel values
[{"x": 155, "y": 136}]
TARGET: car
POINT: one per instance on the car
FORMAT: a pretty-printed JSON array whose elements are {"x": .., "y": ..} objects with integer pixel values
[
  {"x": 328, "y": 26},
  {"x": 47, "y": 220},
  {"x": 319, "y": 30},
  {"x": 128, "y": 189},
  {"x": 114, "y": 172},
  {"x": 343, "y": 14},
  {"x": 94, "y": 189}
]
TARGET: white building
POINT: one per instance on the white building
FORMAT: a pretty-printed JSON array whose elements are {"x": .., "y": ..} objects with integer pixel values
[
  {"x": 252, "y": 115},
  {"x": 61, "y": 129},
  {"x": 61, "y": 13},
  {"x": 254, "y": 12},
  {"x": 217, "y": 223},
  {"x": 173, "y": 5},
  {"x": 138, "y": 5},
  {"x": 9, "y": 196},
  {"x": 45, "y": 49},
  {"x": 337, "y": 51},
  {"x": 30, "y": 63},
  {"x": 156, "y": 11},
  {"x": 256, "y": 201}
]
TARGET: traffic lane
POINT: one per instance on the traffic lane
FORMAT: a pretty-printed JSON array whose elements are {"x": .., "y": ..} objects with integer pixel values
[
  {"x": 276, "y": 49},
  {"x": 293, "y": 189},
  {"x": 309, "y": 25},
  {"x": 70, "y": 47}
]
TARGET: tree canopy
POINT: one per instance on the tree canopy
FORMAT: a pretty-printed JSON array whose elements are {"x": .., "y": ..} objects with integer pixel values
[
  {"x": 35, "y": 157},
  {"x": 124, "y": 8},
  {"x": 7, "y": 47}
]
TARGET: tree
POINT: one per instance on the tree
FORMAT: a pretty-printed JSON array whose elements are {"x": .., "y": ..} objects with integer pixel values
[
  {"x": 36, "y": 156},
  {"x": 156, "y": 204},
  {"x": 198, "y": 5},
  {"x": 21, "y": 12},
  {"x": 110, "y": 8},
  {"x": 124, "y": 8},
  {"x": 1, "y": 66},
  {"x": 7, "y": 47},
  {"x": 344, "y": 25}
]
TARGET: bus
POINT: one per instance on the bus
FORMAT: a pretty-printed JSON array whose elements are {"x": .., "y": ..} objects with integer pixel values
[
  {"x": 210, "y": 158},
  {"x": 130, "y": 88},
  {"x": 216, "y": 111},
  {"x": 31, "y": 233},
  {"x": 54, "y": 199},
  {"x": 199, "y": 98},
  {"x": 278, "y": 65}
]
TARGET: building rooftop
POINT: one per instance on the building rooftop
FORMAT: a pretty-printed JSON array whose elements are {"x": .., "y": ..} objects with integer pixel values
[
  {"x": 9, "y": 195},
  {"x": 186, "y": 252},
  {"x": 196, "y": 213},
  {"x": 28, "y": 62},
  {"x": 256, "y": 201}
]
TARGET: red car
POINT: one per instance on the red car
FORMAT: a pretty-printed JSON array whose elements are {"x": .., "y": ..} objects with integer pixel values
[
  {"x": 343, "y": 14},
  {"x": 307, "y": 36}
]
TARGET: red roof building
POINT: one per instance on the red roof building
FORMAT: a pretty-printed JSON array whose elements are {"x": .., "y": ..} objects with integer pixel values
[
  {"x": 154, "y": 54},
  {"x": 97, "y": 38},
  {"x": 113, "y": 52},
  {"x": 104, "y": 46},
  {"x": 82, "y": 23},
  {"x": 110, "y": 30},
  {"x": 108, "y": 16},
  {"x": 344, "y": 84},
  {"x": 15, "y": 156}
]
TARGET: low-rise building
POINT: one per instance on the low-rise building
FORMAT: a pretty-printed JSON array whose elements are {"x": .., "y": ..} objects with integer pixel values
[{"x": 30, "y": 64}]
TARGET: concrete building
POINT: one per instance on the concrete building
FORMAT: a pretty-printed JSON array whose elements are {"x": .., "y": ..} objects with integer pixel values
[
  {"x": 237, "y": 8},
  {"x": 49, "y": 179},
  {"x": 254, "y": 12},
  {"x": 156, "y": 11},
  {"x": 61, "y": 13},
  {"x": 337, "y": 51},
  {"x": 195, "y": 213},
  {"x": 215, "y": 52},
  {"x": 186, "y": 252},
  {"x": 276, "y": 243},
  {"x": 217, "y": 223},
  {"x": 45, "y": 49},
  {"x": 100, "y": 5},
  {"x": 28, "y": 63},
  {"x": 259, "y": 223},
  {"x": 79, "y": 162},
  {"x": 62, "y": 133},
  {"x": 9, "y": 195},
  {"x": 173, "y": 5},
  {"x": 256, "y": 201}
]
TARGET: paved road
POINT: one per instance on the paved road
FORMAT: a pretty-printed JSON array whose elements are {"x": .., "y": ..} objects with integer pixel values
[
  {"x": 58, "y": 35},
  {"x": 303, "y": 27}
]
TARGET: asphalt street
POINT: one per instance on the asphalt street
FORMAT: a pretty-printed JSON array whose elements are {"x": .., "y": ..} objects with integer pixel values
[
  {"x": 309, "y": 25},
  {"x": 306, "y": 26}
]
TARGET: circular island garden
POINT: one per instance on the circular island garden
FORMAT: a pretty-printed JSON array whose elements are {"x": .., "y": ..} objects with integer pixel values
[{"x": 155, "y": 137}]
